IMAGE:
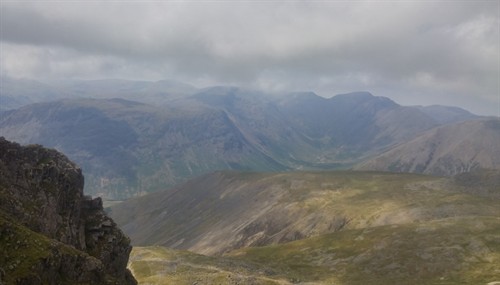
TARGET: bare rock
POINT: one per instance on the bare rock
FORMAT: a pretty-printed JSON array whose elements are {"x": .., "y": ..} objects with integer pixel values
[{"x": 43, "y": 211}]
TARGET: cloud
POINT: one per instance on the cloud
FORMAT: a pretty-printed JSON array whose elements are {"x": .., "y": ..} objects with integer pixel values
[{"x": 424, "y": 48}]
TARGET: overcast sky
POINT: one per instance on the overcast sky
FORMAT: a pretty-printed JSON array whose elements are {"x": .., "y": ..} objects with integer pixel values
[{"x": 415, "y": 52}]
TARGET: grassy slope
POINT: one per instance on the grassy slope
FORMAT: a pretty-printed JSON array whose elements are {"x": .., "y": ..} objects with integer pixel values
[
  {"x": 226, "y": 211},
  {"x": 160, "y": 265},
  {"x": 403, "y": 229},
  {"x": 448, "y": 251},
  {"x": 27, "y": 256}
]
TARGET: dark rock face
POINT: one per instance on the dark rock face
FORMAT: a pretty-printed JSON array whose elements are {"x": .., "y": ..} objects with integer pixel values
[
  {"x": 43, "y": 211},
  {"x": 105, "y": 241}
]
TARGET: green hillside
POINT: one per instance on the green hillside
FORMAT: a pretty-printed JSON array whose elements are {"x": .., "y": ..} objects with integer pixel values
[
  {"x": 224, "y": 211},
  {"x": 340, "y": 227},
  {"x": 160, "y": 265},
  {"x": 447, "y": 251}
]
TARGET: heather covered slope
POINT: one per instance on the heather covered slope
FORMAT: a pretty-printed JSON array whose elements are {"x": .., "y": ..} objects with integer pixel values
[
  {"x": 224, "y": 211},
  {"x": 319, "y": 228},
  {"x": 455, "y": 250},
  {"x": 447, "y": 150},
  {"x": 448, "y": 251}
]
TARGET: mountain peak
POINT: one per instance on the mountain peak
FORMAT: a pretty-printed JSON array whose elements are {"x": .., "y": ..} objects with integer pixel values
[
  {"x": 447, "y": 150},
  {"x": 363, "y": 96},
  {"x": 357, "y": 94}
]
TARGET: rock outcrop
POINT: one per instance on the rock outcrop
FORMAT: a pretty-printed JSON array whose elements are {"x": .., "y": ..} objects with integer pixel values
[{"x": 50, "y": 232}]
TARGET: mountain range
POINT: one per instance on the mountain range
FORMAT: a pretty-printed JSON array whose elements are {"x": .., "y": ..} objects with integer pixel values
[
  {"x": 137, "y": 137},
  {"x": 226, "y": 185}
]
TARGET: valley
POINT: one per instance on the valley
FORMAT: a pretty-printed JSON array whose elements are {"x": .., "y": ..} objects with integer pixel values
[
  {"x": 134, "y": 137},
  {"x": 226, "y": 185}
]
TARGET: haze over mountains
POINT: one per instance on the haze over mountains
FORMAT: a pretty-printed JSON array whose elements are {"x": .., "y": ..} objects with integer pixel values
[
  {"x": 166, "y": 132},
  {"x": 321, "y": 149},
  {"x": 276, "y": 212},
  {"x": 445, "y": 150}
]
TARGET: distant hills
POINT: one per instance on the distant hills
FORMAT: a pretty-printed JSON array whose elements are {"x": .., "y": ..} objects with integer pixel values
[
  {"x": 127, "y": 147},
  {"x": 16, "y": 93},
  {"x": 342, "y": 227},
  {"x": 445, "y": 114},
  {"x": 446, "y": 150},
  {"x": 136, "y": 137}
]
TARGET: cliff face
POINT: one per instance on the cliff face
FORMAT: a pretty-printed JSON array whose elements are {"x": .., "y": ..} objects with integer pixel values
[{"x": 50, "y": 233}]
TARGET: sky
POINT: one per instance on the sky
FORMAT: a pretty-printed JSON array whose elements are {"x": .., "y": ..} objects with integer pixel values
[{"x": 414, "y": 52}]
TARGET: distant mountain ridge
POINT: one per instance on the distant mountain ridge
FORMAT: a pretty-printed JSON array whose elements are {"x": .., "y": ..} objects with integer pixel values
[
  {"x": 446, "y": 114},
  {"x": 173, "y": 132},
  {"x": 446, "y": 150},
  {"x": 16, "y": 93}
]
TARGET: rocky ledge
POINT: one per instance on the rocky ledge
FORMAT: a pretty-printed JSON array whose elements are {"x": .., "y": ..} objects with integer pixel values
[{"x": 50, "y": 233}]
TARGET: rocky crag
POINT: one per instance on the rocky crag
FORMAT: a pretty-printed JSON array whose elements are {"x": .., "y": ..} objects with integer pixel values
[{"x": 50, "y": 233}]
